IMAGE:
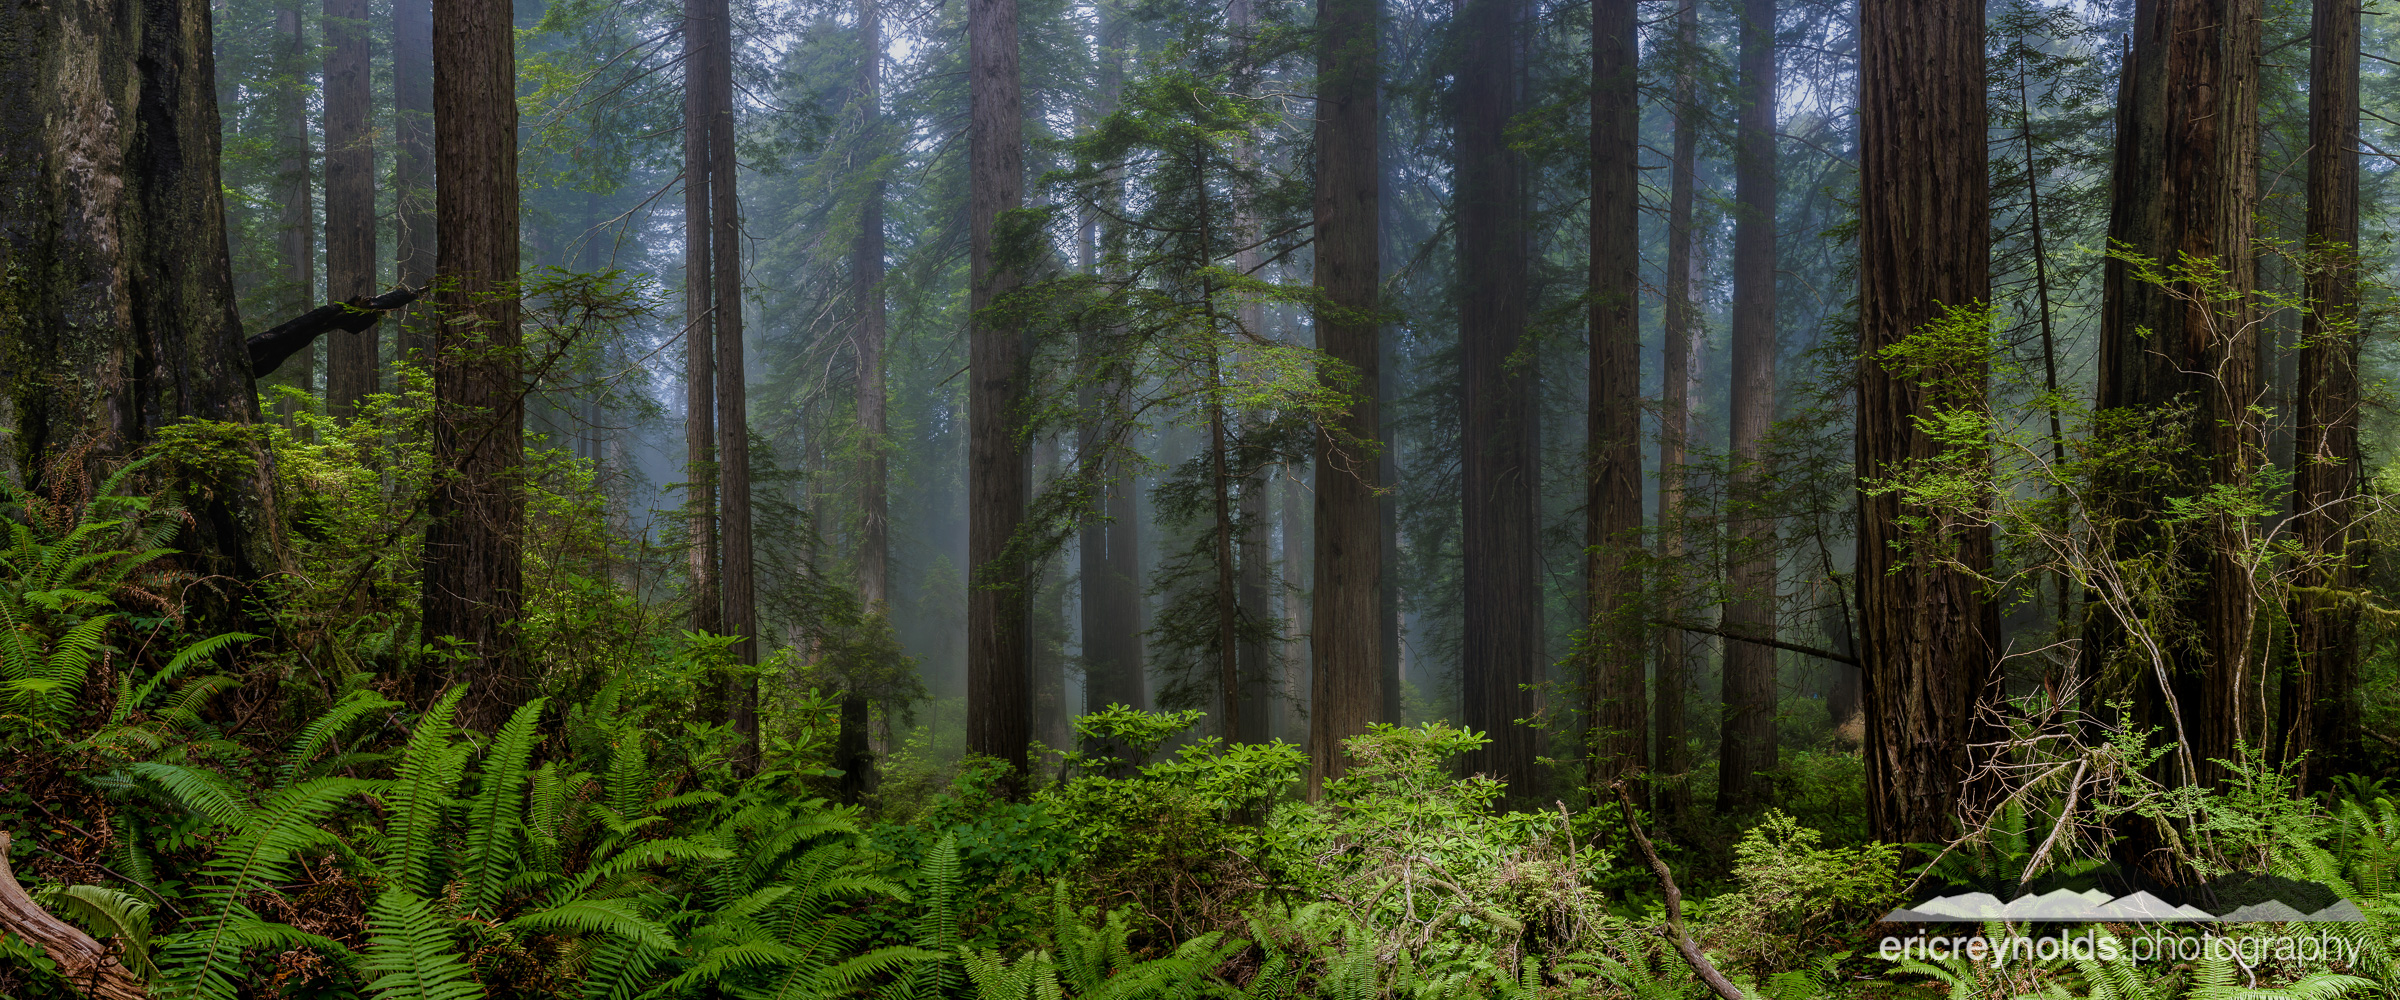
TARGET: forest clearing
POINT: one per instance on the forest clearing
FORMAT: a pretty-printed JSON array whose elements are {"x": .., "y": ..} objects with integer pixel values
[{"x": 1256, "y": 500}]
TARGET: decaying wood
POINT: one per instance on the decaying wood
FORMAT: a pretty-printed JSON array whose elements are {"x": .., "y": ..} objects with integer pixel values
[
  {"x": 84, "y": 961},
  {"x": 1684, "y": 945},
  {"x": 269, "y": 350}
]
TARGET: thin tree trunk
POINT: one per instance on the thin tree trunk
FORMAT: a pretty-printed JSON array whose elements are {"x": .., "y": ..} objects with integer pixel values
[
  {"x": 699, "y": 330},
  {"x": 998, "y": 679},
  {"x": 351, "y": 359},
  {"x": 1615, "y": 709},
  {"x": 1499, "y": 412},
  {"x": 1250, "y": 550},
  {"x": 738, "y": 578},
  {"x": 2322, "y": 705},
  {"x": 1229, "y": 608},
  {"x": 2186, "y": 183},
  {"x": 295, "y": 174},
  {"x": 1110, "y": 565},
  {"x": 1747, "y": 744},
  {"x": 1292, "y": 687},
  {"x": 1672, "y": 795},
  {"x": 473, "y": 538},
  {"x": 1928, "y": 629},
  {"x": 1346, "y": 663},
  {"x": 412, "y": 164},
  {"x": 852, "y": 756},
  {"x": 2062, "y": 585}
]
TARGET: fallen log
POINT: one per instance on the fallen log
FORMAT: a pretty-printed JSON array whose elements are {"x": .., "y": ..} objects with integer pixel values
[
  {"x": 85, "y": 962},
  {"x": 269, "y": 350}
]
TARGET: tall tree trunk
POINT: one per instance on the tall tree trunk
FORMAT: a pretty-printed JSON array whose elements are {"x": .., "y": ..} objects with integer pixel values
[
  {"x": 473, "y": 538},
  {"x": 998, "y": 680},
  {"x": 1747, "y": 744},
  {"x": 1499, "y": 412},
  {"x": 2186, "y": 184},
  {"x": 115, "y": 271},
  {"x": 852, "y": 756},
  {"x": 1615, "y": 710},
  {"x": 2322, "y": 705},
  {"x": 412, "y": 164},
  {"x": 1228, "y": 591},
  {"x": 1291, "y": 716},
  {"x": 296, "y": 227},
  {"x": 1257, "y": 680},
  {"x": 1672, "y": 796},
  {"x": 699, "y": 329},
  {"x": 1929, "y": 630},
  {"x": 1110, "y": 564},
  {"x": 350, "y": 358},
  {"x": 1346, "y": 663},
  {"x": 739, "y": 578}
]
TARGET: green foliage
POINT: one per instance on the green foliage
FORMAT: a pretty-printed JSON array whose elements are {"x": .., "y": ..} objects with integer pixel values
[{"x": 1795, "y": 897}]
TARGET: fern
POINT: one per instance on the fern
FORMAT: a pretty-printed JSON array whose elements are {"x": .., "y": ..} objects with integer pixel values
[
  {"x": 327, "y": 728},
  {"x": 493, "y": 817},
  {"x": 257, "y": 854},
  {"x": 412, "y": 952},
  {"x": 430, "y": 767},
  {"x": 598, "y": 916},
  {"x": 106, "y": 913}
]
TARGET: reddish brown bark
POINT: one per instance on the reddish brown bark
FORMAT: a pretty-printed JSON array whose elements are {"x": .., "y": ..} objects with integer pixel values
[
  {"x": 476, "y": 513},
  {"x": 999, "y": 660},
  {"x": 1614, "y": 708},
  {"x": 351, "y": 359},
  {"x": 1747, "y": 743},
  {"x": 1345, "y": 655},
  {"x": 2320, "y": 705},
  {"x": 1927, "y": 628}
]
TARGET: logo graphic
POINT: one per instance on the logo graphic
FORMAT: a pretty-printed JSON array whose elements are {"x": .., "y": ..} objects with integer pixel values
[{"x": 2235, "y": 899}]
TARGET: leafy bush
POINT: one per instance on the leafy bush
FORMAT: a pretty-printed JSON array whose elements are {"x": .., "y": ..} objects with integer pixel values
[{"x": 1795, "y": 898}]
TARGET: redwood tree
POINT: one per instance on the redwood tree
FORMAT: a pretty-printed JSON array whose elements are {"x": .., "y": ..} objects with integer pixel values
[
  {"x": 2185, "y": 189},
  {"x": 1614, "y": 707},
  {"x": 114, "y": 267},
  {"x": 999, "y": 657},
  {"x": 477, "y": 508},
  {"x": 2319, "y": 702},
  {"x": 1345, "y": 639},
  {"x": 350, "y": 358},
  {"x": 1679, "y": 329},
  {"x": 1929, "y": 630},
  {"x": 1747, "y": 745},
  {"x": 412, "y": 161},
  {"x": 1499, "y": 415}
]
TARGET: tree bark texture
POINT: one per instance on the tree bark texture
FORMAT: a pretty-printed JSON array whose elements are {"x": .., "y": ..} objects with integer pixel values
[
  {"x": 1680, "y": 328},
  {"x": 295, "y": 182},
  {"x": 1929, "y": 629},
  {"x": 2186, "y": 184},
  {"x": 1747, "y": 745},
  {"x": 1499, "y": 410},
  {"x": 114, "y": 277},
  {"x": 1615, "y": 709},
  {"x": 701, "y": 561},
  {"x": 473, "y": 539},
  {"x": 739, "y": 576},
  {"x": 412, "y": 164},
  {"x": 1345, "y": 658},
  {"x": 1251, "y": 552},
  {"x": 2321, "y": 702},
  {"x": 351, "y": 359},
  {"x": 1109, "y": 551},
  {"x": 852, "y": 756},
  {"x": 999, "y": 692}
]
